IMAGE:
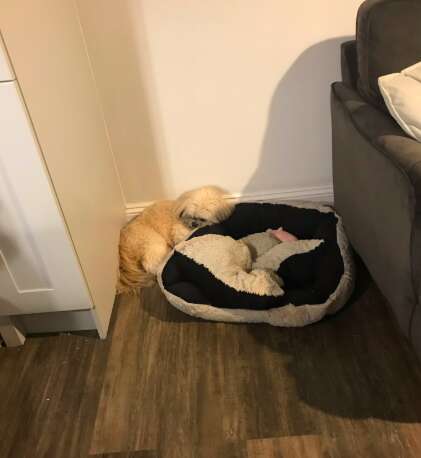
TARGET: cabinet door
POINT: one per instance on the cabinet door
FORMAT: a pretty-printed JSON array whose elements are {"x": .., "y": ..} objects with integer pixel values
[
  {"x": 39, "y": 270},
  {"x": 47, "y": 49}
]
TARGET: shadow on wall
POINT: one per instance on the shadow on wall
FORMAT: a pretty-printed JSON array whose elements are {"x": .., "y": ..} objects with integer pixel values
[{"x": 298, "y": 133}]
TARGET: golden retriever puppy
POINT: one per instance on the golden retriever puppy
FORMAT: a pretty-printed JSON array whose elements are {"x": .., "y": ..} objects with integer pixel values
[{"x": 147, "y": 239}]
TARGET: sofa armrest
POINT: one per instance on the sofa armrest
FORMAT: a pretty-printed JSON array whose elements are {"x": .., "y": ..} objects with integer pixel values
[
  {"x": 385, "y": 136},
  {"x": 349, "y": 66},
  {"x": 377, "y": 183}
]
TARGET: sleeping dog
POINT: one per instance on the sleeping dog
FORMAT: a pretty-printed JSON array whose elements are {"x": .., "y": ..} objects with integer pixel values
[{"x": 147, "y": 240}]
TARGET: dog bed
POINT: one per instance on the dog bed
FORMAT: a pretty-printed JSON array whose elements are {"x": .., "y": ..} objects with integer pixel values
[{"x": 236, "y": 271}]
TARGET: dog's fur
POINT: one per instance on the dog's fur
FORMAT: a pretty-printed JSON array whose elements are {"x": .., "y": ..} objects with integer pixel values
[{"x": 147, "y": 239}]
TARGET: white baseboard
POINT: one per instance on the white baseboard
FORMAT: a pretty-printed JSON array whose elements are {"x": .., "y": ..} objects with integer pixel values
[{"x": 315, "y": 194}]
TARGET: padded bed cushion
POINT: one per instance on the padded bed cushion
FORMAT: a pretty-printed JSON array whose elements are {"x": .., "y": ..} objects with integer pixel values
[{"x": 315, "y": 274}]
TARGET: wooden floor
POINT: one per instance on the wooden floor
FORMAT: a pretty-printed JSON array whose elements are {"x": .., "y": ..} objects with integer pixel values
[{"x": 164, "y": 385}]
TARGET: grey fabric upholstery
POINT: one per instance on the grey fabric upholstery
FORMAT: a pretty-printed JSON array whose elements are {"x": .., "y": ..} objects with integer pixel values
[
  {"x": 416, "y": 330},
  {"x": 349, "y": 63},
  {"x": 376, "y": 166},
  {"x": 388, "y": 40}
]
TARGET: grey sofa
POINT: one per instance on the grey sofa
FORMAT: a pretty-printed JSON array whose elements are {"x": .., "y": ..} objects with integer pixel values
[{"x": 376, "y": 166}]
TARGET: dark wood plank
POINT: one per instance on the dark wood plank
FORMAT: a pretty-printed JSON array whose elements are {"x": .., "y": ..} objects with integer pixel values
[
  {"x": 364, "y": 445},
  {"x": 202, "y": 383},
  {"x": 166, "y": 385},
  {"x": 286, "y": 447},
  {"x": 50, "y": 391},
  {"x": 410, "y": 437},
  {"x": 139, "y": 454}
]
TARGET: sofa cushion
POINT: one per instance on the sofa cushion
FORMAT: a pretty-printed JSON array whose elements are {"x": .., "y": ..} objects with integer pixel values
[
  {"x": 388, "y": 40},
  {"x": 402, "y": 95}
]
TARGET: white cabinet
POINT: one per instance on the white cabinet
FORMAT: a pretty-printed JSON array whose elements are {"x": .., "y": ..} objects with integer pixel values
[
  {"x": 61, "y": 205},
  {"x": 39, "y": 269}
]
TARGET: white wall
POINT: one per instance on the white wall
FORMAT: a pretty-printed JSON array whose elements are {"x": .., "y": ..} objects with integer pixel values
[{"x": 231, "y": 92}]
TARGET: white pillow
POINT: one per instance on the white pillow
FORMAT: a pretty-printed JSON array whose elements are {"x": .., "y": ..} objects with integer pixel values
[{"x": 402, "y": 95}]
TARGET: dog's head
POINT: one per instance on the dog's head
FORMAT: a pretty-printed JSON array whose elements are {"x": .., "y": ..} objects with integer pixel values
[{"x": 203, "y": 206}]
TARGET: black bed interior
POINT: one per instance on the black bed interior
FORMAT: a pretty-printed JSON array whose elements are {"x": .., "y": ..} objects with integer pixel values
[{"x": 309, "y": 278}]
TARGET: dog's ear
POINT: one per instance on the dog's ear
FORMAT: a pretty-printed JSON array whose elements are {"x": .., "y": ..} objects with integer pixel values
[
  {"x": 179, "y": 209},
  {"x": 180, "y": 205}
]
